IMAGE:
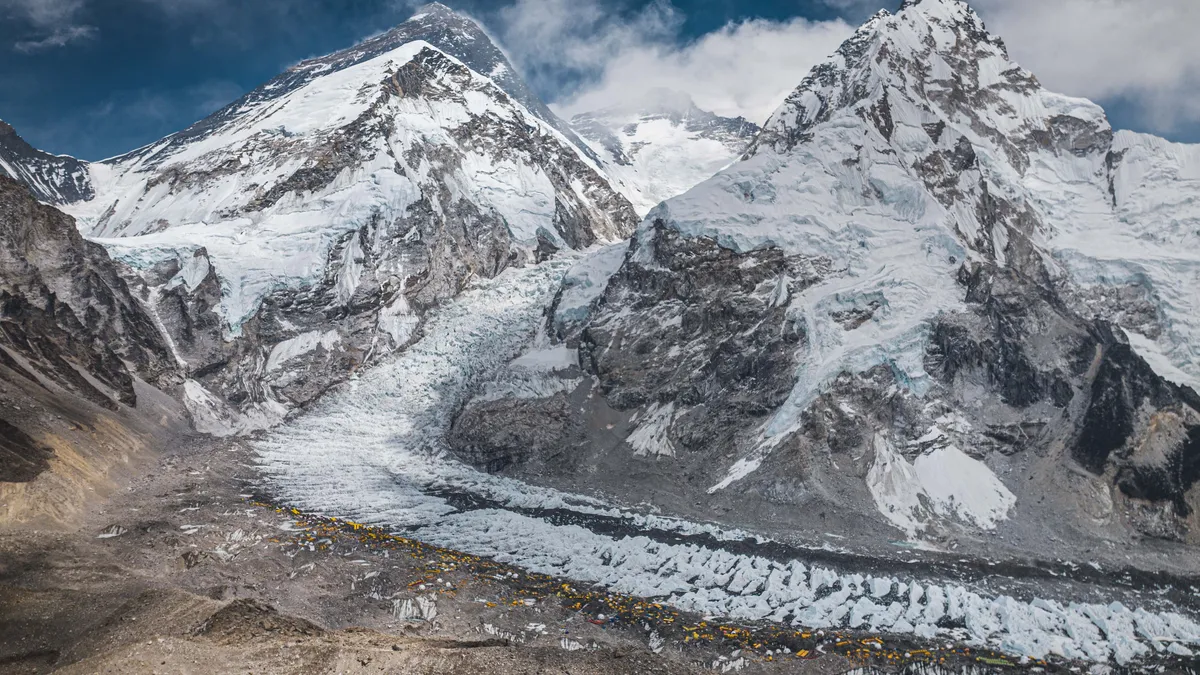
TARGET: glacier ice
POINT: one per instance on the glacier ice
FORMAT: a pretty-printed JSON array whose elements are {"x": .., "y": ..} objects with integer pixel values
[{"x": 372, "y": 451}]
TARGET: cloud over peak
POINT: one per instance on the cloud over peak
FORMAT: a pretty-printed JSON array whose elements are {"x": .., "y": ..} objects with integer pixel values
[{"x": 593, "y": 57}]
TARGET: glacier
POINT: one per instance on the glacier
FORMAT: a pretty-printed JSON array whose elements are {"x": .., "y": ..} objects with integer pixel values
[{"x": 372, "y": 451}]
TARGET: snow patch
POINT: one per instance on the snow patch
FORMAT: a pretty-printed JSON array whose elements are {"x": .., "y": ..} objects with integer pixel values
[
  {"x": 650, "y": 438},
  {"x": 300, "y": 345},
  {"x": 586, "y": 282},
  {"x": 1160, "y": 363},
  {"x": 963, "y": 487},
  {"x": 192, "y": 273},
  {"x": 944, "y": 481}
]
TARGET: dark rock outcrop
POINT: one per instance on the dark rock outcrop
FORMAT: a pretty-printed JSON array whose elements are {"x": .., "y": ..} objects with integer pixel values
[
  {"x": 65, "y": 312},
  {"x": 21, "y": 458}
]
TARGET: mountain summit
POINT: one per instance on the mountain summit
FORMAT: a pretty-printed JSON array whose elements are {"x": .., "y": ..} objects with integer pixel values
[
  {"x": 662, "y": 146},
  {"x": 435, "y": 24},
  {"x": 321, "y": 215}
]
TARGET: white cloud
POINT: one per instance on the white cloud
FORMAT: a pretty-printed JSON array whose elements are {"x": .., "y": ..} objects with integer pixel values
[
  {"x": 596, "y": 58},
  {"x": 47, "y": 13},
  {"x": 58, "y": 37},
  {"x": 52, "y": 22},
  {"x": 1143, "y": 52},
  {"x": 562, "y": 44}
]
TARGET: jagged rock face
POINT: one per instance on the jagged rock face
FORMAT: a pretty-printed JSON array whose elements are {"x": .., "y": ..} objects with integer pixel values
[
  {"x": 662, "y": 148},
  {"x": 966, "y": 319},
  {"x": 54, "y": 179},
  {"x": 716, "y": 360},
  {"x": 305, "y": 230},
  {"x": 66, "y": 315},
  {"x": 722, "y": 324}
]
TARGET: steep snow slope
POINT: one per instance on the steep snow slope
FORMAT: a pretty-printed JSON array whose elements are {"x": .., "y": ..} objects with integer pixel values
[
  {"x": 54, "y": 179},
  {"x": 305, "y": 229},
  {"x": 374, "y": 452},
  {"x": 664, "y": 147},
  {"x": 1140, "y": 256},
  {"x": 911, "y": 274},
  {"x": 277, "y": 173}
]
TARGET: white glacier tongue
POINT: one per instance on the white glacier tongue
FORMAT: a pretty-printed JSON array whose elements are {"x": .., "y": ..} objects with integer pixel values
[{"x": 372, "y": 451}]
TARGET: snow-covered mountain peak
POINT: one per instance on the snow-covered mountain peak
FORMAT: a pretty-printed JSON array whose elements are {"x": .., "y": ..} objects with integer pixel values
[
  {"x": 327, "y": 130},
  {"x": 943, "y": 7},
  {"x": 320, "y": 216},
  {"x": 938, "y": 58},
  {"x": 431, "y": 8},
  {"x": 919, "y": 219},
  {"x": 435, "y": 24}
]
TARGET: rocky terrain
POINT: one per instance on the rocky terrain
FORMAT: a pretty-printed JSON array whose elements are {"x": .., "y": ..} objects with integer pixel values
[
  {"x": 54, "y": 179},
  {"x": 180, "y": 573},
  {"x": 68, "y": 315},
  {"x": 185, "y": 571},
  {"x": 79, "y": 360}
]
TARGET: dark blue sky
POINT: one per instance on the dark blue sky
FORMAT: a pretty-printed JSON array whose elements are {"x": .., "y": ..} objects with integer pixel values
[{"x": 145, "y": 68}]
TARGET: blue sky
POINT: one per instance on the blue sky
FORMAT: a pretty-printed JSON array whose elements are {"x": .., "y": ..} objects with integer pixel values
[{"x": 95, "y": 78}]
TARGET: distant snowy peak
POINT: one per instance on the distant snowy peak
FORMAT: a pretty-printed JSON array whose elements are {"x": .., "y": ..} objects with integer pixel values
[
  {"x": 54, "y": 179},
  {"x": 1027, "y": 178},
  {"x": 665, "y": 104},
  {"x": 662, "y": 147}
]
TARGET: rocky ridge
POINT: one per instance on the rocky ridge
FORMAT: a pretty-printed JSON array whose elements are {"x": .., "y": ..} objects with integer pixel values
[
  {"x": 54, "y": 179},
  {"x": 66, "y": 315},
  {"x": 80, "y": 360}
]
